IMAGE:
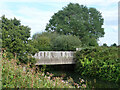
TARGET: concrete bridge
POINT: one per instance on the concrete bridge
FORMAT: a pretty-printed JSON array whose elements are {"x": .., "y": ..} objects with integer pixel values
[{"x": 54, "y": 57}]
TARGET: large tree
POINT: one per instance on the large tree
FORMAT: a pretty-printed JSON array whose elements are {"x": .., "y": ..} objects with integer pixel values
[
  {"x": 15, "y": 38},
  {"x": 78, "y": 20}
]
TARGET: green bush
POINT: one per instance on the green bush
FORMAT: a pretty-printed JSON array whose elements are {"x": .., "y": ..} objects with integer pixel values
[
  {"x": 7, "y": 55},
  {"x": 26, "y": 59},
  {"x": 22, "y": 58},
  {"x": 99, "y": 62}
]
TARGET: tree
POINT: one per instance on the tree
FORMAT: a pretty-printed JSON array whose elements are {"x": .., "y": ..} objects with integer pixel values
[
  {"x": 75, "y": 19},
  {"x": 115, "y": 45},
  {"x": 43, "y": 42},
  {"x": 105, "y": 45},
  {"x": 66, "y": 43},
  {"x": 50, "y": 35},
  {"x": 53, "y": 41},
  {"x": 15, "y": 37}
]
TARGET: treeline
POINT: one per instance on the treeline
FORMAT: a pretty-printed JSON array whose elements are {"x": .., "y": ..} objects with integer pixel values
[
  {"x": 72, "y": 27},
  {"x": 55, "y": 42}
]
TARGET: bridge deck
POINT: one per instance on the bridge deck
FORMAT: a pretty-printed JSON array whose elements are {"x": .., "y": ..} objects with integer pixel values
[{"x": 55, "y": 61}]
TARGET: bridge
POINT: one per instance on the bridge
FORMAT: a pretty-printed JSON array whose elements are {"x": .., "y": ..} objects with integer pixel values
[{"x": 54, "y": 57}]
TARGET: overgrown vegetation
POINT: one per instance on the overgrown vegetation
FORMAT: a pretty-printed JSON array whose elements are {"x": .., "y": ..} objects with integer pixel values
[
  {"x": 99, "y": 62},
  {"x": 17, "y": 75},
  {"x": 74, "y": 26}
]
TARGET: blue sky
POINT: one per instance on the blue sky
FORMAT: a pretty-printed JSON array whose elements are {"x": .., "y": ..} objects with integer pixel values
[{"x": 36, "y": 14}]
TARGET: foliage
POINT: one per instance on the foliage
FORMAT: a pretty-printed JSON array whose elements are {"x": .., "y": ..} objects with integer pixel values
[
  {"x": 0, "y": 73},
  {"x": 14, "y": 35},
  {"x": 52, "y": 36},
  {"x": 42, "y": 42},
  {"x": 105, "y": 45},
  {"x": 22, "y": 76},
  {"x": 75, "y": 19},
  {"x": 49, "y": 36},
  {"x": 0, "y": 35},
  {"x": 100, "y": 62},
  {"x": 15, "y": 38},
  {"x": 54, "y": 41},
  {"x": 114, "y": 45},
  {"x": 31, "y": 48},
  {"x": 66, "y": 43}
]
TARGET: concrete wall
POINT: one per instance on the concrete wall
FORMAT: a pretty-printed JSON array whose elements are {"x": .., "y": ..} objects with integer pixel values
[{"x": 54, "y": 57}]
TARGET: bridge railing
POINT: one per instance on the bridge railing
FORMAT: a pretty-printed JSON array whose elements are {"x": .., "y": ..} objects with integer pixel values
[
  {"x": 54, "y": 54},
  {"x": 55, "y": 57}
]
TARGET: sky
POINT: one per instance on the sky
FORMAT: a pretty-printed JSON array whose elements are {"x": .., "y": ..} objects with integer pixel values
[{"x": 37, "y": 13}]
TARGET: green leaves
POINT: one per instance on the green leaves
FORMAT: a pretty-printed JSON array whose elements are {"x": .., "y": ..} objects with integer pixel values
[
  {"x": 66, "y": 43},
  {"x": 53, "y": 41},
  {"x": 100, "y": 62},
  {"x": 75, "y": 19},
  {"x": 15, "y": 38},
  {"x": 14, "y": 76}
]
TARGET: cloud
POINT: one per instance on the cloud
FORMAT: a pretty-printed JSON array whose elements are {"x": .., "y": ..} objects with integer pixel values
[
  {"x": 35, "y": 18},
  {"x": 109, "y": 38},
  {"x": 32, "y": 17}
]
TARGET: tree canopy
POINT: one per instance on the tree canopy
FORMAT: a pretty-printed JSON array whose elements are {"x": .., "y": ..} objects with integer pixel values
[
  {"x": 53, "y": 41},
  {"x": 66, "y": 43},
  {"x": 15, "y": 37},
  {"x": 78, "y": 20}
]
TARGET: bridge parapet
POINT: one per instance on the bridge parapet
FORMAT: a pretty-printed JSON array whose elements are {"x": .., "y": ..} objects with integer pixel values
[{"x": 54, "y": 57}]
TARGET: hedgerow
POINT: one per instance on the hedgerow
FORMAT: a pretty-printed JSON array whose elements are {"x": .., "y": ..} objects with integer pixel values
[{"x": 99, "y": 62}]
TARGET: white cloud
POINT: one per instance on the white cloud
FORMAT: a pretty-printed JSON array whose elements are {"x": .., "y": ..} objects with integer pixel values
[
  {"x": 32, "y": 17},
  {"x": 109, "y": 38},
  {"x": 37, "y": 19}
]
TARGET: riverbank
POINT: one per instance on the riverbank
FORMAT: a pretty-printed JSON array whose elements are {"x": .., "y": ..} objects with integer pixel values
[{"x": 67, "y": 71}]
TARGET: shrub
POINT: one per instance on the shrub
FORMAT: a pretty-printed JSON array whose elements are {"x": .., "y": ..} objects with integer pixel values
[
  {"x": 23, "y": 58},
  {"x": 100, "y": 62}
]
